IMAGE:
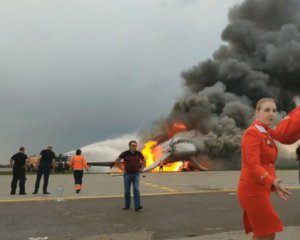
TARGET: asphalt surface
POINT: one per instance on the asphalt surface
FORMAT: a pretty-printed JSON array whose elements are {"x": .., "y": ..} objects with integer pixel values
[{"x": 198, "y": 206}]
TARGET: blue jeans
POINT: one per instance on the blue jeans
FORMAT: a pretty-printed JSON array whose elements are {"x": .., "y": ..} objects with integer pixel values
[{"x": 135, "y": 179}]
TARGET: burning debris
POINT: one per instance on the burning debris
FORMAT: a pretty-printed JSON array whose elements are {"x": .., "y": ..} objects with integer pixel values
[{"x": 261, "y": 59}]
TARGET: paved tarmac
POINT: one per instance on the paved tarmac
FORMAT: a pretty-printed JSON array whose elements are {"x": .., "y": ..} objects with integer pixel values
[{"x": 191, "y": 205}]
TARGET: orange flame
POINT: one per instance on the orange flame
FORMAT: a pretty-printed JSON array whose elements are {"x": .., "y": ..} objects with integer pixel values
[
  {"x": 173, "y": 167},
  {"x": 148, "y": 153},
  {"x": 152, "y": 152},
  {"x": 179, "y": 126},
  {"x": 175, "y": 128}
]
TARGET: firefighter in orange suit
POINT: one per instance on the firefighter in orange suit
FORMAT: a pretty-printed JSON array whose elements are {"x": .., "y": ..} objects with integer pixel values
[
  {"x": 258, "y": 178},
  {"x": 78, "y": 164}
]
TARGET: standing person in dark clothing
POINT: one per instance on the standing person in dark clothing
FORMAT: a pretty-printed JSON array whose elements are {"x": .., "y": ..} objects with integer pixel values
[
  {"x": 298, "y": 159},
  {"x": 19, "y": 162},
  {"x": 161, "y": 167},
  {"x": 44, "y": 165},
  {"x": 134, "y": 162}
]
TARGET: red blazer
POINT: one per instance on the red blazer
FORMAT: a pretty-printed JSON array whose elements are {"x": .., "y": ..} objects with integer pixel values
[
  {"x": 259, "y": 154},
  {"x": 287, "y": 130}
]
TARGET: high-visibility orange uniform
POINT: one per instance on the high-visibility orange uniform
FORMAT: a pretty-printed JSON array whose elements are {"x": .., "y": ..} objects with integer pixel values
[
  {"x": 259, "y": 154},
  {"x": 78, "y": 162}
]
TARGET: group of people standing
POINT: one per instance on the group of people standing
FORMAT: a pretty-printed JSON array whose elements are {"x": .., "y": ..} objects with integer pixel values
[
  {"x": 134, "y": 163},
  {"x": 44, "y": 166}
]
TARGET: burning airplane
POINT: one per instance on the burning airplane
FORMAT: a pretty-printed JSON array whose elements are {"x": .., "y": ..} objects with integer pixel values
[
  {"x": 259, "y": 57},
  {"x": 173, "y": 154},
  {"x": 176, "y": 154}
]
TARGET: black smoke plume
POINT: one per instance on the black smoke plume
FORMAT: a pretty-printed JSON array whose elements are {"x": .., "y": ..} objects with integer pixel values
[{"x": 261, "y": 58}]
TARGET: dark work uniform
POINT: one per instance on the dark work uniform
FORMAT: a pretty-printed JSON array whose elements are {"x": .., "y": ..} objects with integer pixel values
[
  {"x": 44, "y": 168},
  {"x": 18, "y": 172}
]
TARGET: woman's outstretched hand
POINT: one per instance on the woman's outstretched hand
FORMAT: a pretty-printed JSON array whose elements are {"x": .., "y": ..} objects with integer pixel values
[{"x": 282, "y": 192}]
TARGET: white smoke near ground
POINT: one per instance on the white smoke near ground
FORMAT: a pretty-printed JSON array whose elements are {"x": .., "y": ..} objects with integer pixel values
[{"x": 105, "y": 151}]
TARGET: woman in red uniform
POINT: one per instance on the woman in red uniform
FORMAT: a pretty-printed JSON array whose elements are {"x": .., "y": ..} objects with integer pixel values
[{"x": 258, "y": 177}]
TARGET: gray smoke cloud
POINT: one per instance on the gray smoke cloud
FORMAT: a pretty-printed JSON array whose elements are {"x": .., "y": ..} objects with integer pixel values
[{"x": 261, "y": 59}]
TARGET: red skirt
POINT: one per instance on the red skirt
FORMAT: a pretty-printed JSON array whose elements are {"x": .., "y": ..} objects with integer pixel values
[{"x": 259, "y": 214}]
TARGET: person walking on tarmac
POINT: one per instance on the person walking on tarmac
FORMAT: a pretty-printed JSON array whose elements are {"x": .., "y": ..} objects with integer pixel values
[
  {"x": 134, "y": 162},
  {"x": 19, "y": 162},
  {"x": 78, "y": 164},
  {"x": 45, "y": 163}
]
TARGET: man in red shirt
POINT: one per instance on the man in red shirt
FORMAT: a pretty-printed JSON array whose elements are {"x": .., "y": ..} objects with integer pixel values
[{"x": 134, "y": 162}]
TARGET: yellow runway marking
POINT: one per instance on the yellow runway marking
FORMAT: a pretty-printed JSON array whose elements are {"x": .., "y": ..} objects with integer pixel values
[
  {"x": 60, "y": 199},
  {"x": 160, "y": 187},
  {"x": 168, "y": 189},
  {"x": 150, "y": 184}
]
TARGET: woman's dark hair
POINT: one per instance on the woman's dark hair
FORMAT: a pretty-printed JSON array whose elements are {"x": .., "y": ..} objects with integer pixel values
[{"x": 78, "y": 152}]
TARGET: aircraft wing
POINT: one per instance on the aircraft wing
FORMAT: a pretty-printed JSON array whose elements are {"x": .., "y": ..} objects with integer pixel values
[
  {"x": 119, "y": 165},
  {"x": 101, "y": 164}
]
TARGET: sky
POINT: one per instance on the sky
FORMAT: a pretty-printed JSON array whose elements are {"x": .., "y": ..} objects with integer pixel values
[{"x": 75, "y": 72}]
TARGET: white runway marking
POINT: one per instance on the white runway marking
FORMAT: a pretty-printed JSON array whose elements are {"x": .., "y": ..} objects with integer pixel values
[{"x": 38, "y": 238}]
